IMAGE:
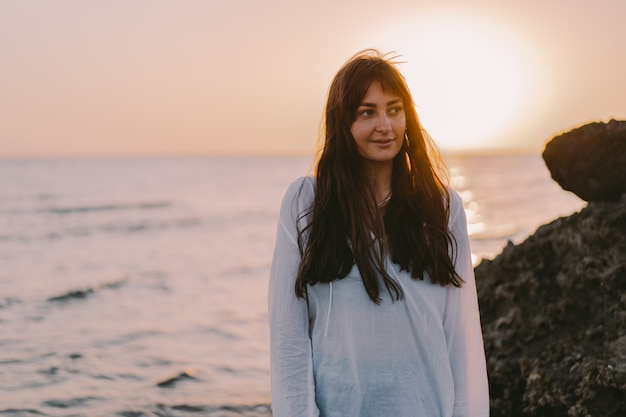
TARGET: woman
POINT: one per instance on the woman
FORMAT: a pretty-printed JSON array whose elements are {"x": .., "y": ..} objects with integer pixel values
[{"x": 372, "y": 300}]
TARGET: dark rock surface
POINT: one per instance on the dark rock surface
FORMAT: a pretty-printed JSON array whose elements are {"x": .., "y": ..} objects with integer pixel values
[
  {"x": 590, "y": 160},
  {"x": 553, "y": 311}
]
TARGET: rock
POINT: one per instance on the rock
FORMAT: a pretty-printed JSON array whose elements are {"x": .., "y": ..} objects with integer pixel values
[
  {"x": 553, "y": 310},
  {"x": 590, "y": 160}
]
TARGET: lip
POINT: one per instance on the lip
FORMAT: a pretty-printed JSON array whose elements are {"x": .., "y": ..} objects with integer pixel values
[{"x": 383, "y": 142}]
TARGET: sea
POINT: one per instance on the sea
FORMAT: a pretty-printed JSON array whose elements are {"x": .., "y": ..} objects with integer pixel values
[{"x": 137, "y": 286}]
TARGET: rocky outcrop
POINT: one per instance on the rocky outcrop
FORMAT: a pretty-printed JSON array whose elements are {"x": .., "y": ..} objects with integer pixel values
[
  {"x": 590, "y": 160},
  {"x": 553, "y": 310}
]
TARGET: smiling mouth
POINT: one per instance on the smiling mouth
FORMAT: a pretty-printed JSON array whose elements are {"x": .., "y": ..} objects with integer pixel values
[{"x": 383, "y": 141}]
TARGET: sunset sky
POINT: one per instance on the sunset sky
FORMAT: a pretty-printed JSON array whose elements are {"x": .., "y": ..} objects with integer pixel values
[{"x": 192, "y": 77}]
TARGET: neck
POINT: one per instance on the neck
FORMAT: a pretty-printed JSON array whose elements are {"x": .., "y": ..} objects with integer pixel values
[{"x": 380, "y": 179}]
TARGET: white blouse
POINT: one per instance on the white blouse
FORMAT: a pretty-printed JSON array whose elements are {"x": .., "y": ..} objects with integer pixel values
[{"x": 341, "y": 355}]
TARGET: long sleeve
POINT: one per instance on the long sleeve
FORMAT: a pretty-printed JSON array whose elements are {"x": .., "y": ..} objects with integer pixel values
[
  {"x": 462, "y": 327},
  {"x": 291, "y": 364}
]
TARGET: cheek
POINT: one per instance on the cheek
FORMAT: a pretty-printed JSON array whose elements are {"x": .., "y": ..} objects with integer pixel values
[
  {"x": 355, "y": 129},
  {"x": 399, "y": 131},
  {"x": 360, "y": 131},
  {"x": 402, "y": 124}
]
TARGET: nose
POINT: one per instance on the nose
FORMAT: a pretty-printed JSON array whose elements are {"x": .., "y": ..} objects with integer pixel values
[{"x": 384, "y": 124}]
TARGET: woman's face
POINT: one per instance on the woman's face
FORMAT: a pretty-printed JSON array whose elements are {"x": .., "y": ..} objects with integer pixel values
[{"x": 380, "y": 123}]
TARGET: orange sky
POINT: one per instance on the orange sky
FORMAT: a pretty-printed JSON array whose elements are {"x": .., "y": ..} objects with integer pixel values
[{"x": 154, "y": 77}]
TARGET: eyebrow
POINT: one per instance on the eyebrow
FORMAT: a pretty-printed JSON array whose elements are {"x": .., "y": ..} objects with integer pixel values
[{"x": 389, "y": 103}]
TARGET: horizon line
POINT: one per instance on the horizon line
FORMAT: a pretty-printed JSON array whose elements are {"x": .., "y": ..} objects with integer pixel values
[{"x": 296, "y": 154}]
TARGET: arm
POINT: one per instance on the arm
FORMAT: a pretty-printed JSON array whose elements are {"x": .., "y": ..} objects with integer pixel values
[
  {"x": 291, "y": 363},
  {"x": 462, "y": 326}
]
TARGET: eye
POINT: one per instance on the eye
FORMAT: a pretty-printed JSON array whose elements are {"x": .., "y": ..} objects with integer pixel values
[
  {"x": 366, "y": 113},
  {"x": 395, "y": 110}
]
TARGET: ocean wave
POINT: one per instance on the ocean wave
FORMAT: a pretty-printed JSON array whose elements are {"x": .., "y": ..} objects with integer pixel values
[
  {"x": 218, "y": 331},
  {"x": 140, "y": 226},
  {"x": 156, "y": 410},
  {"x": 71, "y": 403},
  {"x": 170, "y": 382},
  {"x": 9, "y": 301},
  {"x": 108, "y": 207},
  {"x": 481, "y": 231},
  {"x": 22, "y": 412},
  {"x": 188, "y": 410},
  {"x": 128, "y": 338},
  {"x": 81, "y": 209},
  {"x": 86, "y": 230},
  {"x": 83, "y": 293}
]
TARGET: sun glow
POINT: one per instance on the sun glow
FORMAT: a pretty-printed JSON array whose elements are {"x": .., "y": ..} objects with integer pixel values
[{"x": 474, "y": 82}]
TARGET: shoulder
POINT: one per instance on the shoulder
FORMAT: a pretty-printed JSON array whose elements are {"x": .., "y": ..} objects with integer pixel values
[
  {"x": 302, "y": 190},
  {"x": 455, "y": 200},
  {"x": 457, "y": 219},
  {"x": 298, "y": 197},
  {"x": 302, "y": 184}
]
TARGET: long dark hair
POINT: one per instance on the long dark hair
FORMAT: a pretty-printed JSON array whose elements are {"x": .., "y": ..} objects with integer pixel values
[{"x": 345, "y": 226}]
